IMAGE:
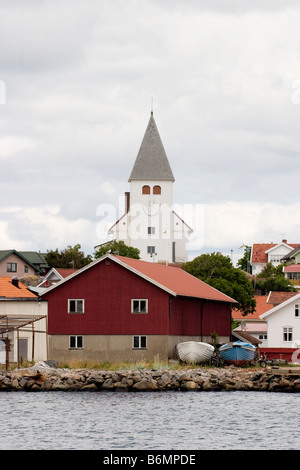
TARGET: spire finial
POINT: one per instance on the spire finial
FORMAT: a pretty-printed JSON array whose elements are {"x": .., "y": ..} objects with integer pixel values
[{"x": 151, "y": 105}]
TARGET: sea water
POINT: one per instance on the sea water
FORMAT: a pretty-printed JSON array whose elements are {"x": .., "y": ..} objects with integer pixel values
[{"x": 149, "y": 420}]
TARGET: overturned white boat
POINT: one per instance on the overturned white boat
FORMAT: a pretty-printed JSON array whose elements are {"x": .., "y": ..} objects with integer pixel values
[{"x": 194, "y": 352}]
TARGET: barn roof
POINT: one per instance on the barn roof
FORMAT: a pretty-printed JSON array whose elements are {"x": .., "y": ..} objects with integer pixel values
[{"x": 172, "y": 279}]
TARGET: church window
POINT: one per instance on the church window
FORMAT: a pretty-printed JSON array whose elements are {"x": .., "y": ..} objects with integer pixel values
[
  {"x": 151, "y": 230},
  {"x": 151, "y": 250},
  {"x": 156, "y": 189},
  {"x": 146, "y": 189}
]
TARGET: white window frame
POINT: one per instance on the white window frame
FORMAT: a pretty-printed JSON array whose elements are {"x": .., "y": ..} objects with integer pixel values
[
  {"x": 133, "y": 308},
  {"x": 140, "y": 339},
  {"x": 262, "y": 336},
  {"x": 151, "y": 250},
  {"x": 151, "y": 230},
  {"x": 76, "y": 342},
  {"x": 287, "y": 334},
  {"x": 297, "y": 311},
  {"x": 76, "y": 311}
]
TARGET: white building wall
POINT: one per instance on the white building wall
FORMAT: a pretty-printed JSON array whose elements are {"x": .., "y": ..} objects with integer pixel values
[
  {"x": 280, "y": 319},
  {"x": 22, "y": 308},
  {"x": 151, "y": 222},
  {"x": 276, "y": 253}
]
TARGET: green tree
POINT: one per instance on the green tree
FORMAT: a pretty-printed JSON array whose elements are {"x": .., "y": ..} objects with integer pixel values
[
  {"x": 217, "y": 271},
  {"x": 244, "y": 262},
  {"x": 271, "y": 278},
  {"x": 118, "y": 248},
  {"x": 70, "y": 257}
]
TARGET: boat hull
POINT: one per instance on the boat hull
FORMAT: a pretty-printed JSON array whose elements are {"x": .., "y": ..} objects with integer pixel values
[
  {"x": 195, "y": 352},
  {"x": 237, "y": 353}
]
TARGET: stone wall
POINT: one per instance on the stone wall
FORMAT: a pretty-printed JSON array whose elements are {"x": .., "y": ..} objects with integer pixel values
[{"x": 42, "y": 377}]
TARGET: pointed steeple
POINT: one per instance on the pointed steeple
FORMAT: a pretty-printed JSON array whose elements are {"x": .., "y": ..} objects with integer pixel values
[{"x": 151, "y": 162}]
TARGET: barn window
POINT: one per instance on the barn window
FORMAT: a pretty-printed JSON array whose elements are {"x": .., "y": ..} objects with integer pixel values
[
  {"x": 156, "y": 189},
  {"x": 75, "y": 305},
  {"x": 139, "y": 305},
  {"x": 139, "y": 342},
  {"x": 76, "y": 342},
  {"x": 146, "y": 189}
]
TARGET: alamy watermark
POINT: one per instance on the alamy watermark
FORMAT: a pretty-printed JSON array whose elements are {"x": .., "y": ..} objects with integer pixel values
[
  {"x": 155, "y": 221},
  {"x": 296, "y": 357}
]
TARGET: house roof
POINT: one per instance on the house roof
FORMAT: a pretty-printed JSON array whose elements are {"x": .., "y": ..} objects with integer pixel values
[
  {"x": 277, "y": 297},
  {"x": 151, "y": 162},
  {"x": 10, "y": 291},
  {"x": 291, "y": 253},
  {"x": 283, "y": 304},
  {"x": 34, "y": 259},
  {"x": 244, "y": 336},
  {"x": 63, "y": 272},
  {"x": 172, "y": 279},
  {"x": 292, "y": 268},
  {"x": 261, "y": 307},
  {"x": 259, "y": 252}
]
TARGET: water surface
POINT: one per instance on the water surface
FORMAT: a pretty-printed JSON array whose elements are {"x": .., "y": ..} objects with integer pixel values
[{"x": 149, "y": 420}]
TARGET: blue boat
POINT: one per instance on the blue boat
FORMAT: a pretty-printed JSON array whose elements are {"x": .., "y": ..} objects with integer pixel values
[{"x": 237, "y": 353}]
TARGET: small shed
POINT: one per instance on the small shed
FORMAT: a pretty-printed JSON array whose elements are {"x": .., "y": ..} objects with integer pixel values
[{"x": 23, "y": 323}]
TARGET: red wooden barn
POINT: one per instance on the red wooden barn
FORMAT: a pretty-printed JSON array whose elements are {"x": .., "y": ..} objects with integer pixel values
[{"x": 123, "y": 309}]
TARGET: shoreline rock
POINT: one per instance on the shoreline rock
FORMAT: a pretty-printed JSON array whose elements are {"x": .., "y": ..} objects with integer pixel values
[{"x": 42, "y": 377}]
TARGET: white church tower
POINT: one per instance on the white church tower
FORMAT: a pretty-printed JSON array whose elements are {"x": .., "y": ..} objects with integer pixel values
[{"x": 150, "y": 223}]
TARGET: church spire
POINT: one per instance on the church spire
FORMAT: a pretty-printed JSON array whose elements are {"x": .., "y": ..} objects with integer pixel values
[{"x": 151, "y": 162}]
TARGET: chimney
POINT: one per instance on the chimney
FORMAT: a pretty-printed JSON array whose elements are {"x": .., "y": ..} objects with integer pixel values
[
  {"x": 15, "y": 281},
  {"x": 127, "y": 202}
]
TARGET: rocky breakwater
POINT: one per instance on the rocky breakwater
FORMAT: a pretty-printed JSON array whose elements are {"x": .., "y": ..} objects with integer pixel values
[{"x": 43, "y": 377}]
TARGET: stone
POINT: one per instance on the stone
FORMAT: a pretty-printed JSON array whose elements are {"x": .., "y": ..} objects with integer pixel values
[
  {"x": 145, "y": 385},
  {"x": 89, "y": 387},
  {"x": 189, "y": 385}
]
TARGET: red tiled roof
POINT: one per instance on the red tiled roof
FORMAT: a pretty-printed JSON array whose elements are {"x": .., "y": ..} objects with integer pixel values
[
  {"x": 8, "y": 290},
  {"x": 175, "y": 279},
  {"x": 276, "y": 298},
  {"x": 261, "y": 307},
  {"x": 258, "y": 253},
  {"x": 65, "y": 272}
]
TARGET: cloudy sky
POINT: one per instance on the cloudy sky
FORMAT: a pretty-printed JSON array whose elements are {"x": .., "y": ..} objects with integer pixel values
[{"x": 77, "y": 82}]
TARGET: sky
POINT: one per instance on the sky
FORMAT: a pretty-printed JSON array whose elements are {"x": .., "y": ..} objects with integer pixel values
[{"x": 78, "y": 81}]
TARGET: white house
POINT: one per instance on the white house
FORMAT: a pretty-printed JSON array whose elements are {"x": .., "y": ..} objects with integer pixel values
[
  {"x": 252, "y": 324},
  {"x": 150, "y": 222},
  {"x": 263, "y": 253},
  {"x": 284, "y": 324}
]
